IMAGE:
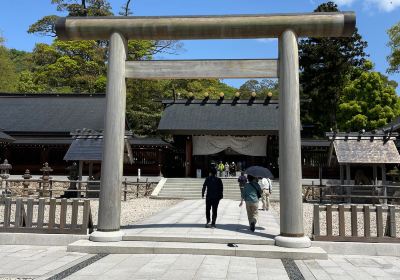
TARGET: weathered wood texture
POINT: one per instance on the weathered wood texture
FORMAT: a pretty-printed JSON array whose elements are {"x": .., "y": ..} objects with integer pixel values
[
  {"x": 46, "y": 219},
  {"x": 202, "y": 69},
  {"x": 385, "y": 230},
  {"x": 113, "y": 137},
  {"x": 207, "y": 27},
  {"x": 365, "y": 151},
  {"x": 291, "y": 215}
]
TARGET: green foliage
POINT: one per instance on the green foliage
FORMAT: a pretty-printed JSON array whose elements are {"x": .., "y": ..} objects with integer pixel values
[
  {"x": 199, "y": 87},
  {"x": 261, "y": 88},
  {"x": 368, "y": 102},
  {"x": 77, "y": 66},
  {"x": 8, "y": 75},
  {"x": 22, "y": 60},
  {"x": 44, "y": 26},
  {"x": 394, "y": 44},
  {"x": 326, "y": 65}
]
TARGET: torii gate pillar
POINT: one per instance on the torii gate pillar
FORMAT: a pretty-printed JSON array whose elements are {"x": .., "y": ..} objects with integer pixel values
[{"x": 291, "y": 202}]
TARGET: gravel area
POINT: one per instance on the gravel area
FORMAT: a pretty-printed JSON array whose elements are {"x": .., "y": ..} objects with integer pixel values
[
  {"x": 136, "y": 210},
  {"x": 308, "y": 220}
]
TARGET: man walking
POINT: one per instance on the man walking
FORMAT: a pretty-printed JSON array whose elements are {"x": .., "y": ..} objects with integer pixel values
[
  {"x": 215, "y": 190},
  {"x": 266, "y": 187},
  {"x": 251, "y": 194}
]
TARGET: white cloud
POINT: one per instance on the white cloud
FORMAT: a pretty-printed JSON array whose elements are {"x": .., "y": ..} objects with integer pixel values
[
  {"x": 344, "y": 2},
  {"x": 266, "y": 40},
  {"x": 384, "y": 5}
]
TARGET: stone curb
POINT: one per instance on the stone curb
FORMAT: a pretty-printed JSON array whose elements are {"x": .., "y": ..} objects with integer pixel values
[
  {"x": 39, "y": 239},
  {"x": 359, "y": 248},
  {"x": 243, "y": 250}
]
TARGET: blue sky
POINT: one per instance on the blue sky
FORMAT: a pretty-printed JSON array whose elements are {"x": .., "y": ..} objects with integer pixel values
[{"x": 374, "y": 17}]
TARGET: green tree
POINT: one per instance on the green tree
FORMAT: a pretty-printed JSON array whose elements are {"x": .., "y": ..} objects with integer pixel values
[
  {"x": 8, "y": 76},
  {"x": 74, "y": 66},
  {"x": 394, "y": 44},
  {"x": 326, "y": 66},
  {"x": 368, "y": 102},
  {"x": 260, "y": 87}
]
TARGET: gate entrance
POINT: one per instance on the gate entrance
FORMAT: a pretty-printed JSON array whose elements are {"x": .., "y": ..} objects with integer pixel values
[{"x": 286, "y": 27}]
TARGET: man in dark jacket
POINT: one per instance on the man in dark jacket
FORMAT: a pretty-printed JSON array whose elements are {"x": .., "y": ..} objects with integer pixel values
[{"x": 215, "y": 190}]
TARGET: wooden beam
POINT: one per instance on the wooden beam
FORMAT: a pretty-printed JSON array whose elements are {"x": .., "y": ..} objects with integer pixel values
[
  {"x": 207, "y": 27},
  {"x": 202, "y": 69}
]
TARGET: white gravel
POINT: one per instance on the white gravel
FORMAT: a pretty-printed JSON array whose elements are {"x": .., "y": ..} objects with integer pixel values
[
  {"x": 135, "y": 210},
  {"x": 308, "y": 220}
]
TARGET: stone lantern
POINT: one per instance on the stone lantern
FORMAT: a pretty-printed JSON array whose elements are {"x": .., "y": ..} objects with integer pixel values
[
  {"x": 27, "y": 175},
  {"x": 46, "y": 169},
  {"x": 5, "y": 168}
]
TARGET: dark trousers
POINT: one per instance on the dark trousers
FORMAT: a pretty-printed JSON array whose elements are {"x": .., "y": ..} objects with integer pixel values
[{"x": 211, "y": 203}]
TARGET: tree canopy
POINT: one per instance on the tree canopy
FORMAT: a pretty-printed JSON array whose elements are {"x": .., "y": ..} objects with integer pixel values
[
  {"x": 394, "y": 44},
  {"x": 368, "y": 102},
  {"x": 326, "y": 65},
  {"x": 8, "y": 76}
]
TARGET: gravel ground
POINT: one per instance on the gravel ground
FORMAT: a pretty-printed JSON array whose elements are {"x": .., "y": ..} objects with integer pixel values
[
  {"x": 308, "y": 220},
  {"x": 136, "y": 210}
]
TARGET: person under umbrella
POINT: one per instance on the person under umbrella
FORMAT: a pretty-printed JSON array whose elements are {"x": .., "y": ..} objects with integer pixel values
[
  {"x": 215, "y": 191},
  {"x": 251, "y": 194}
]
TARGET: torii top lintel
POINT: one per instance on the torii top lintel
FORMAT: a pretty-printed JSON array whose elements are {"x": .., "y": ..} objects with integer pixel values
[{"x": 207, "y": 27}]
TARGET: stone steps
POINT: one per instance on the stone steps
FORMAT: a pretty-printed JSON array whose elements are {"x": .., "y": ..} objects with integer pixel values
[
  {"x": 242, "y": 250},
  {"x": 198, "y": 239},
  {"x": 190, "y": 188}
]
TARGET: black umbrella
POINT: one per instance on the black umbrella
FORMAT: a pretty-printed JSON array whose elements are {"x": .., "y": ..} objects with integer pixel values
[{"x": 259, "y": 171}]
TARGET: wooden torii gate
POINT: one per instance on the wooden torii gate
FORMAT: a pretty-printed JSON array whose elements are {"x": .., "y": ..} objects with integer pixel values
[{"x": 286, "y": 27}]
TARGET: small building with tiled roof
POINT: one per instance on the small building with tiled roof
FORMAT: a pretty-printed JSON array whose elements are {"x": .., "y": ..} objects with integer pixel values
[{"x": 36, "y": 128}]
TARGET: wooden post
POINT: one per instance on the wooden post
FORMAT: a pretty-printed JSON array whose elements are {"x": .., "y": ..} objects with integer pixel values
[
  {"x": 384, "y": 183},
  {"x": 392, "y": 220},
  {"x": 379, "y": 221},
  {"x": 18, "y": 205},
  {"x": 329, "y": 220},
  {"x": 80, "y": 171},
  {"x": 367, "y": 221},
  {"x": 29, "y": 212},
  {"x": 63, "y": 213},
  {"x": 7, "y": 212},
  {"x": 354, "y": 224},
  {"x": 316, "y": 226},
  {"x": 188, "y": 156},
  {"x": 40, "y": 217},
  {"x": 52, "y": 213},
  {"x": 342, "y": 226},
  {"x": 109, "y": 217},
  {"x": 341, "y": 191},
  {"x": 291, "y": 206},
  {"x": 348, "y": 182},
  {"x": 375, "y": 175}
]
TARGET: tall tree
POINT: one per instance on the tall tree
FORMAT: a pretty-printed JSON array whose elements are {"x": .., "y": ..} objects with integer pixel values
[
  {"x": 8, "y": 76},
  {"x": 368, "y": 102},
  {"x": 326, "y": 65},
  {"x": 394, "y": 44}
]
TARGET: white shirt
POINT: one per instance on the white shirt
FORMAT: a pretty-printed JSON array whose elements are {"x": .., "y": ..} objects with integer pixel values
[{"x": 265, "y": 183}]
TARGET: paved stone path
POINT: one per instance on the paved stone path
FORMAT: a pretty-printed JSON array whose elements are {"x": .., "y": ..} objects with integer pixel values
[
  {"x": 187, "y": 218},
  {"x": 40, "y": 262}
]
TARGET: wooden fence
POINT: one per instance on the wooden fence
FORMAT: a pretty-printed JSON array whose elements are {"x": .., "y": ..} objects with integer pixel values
[
  {"x": 343, "y": 223},
  {"x": 36, "y": 188},
  {"x": 345, "y": 193},
  {"x": 46, "y": 216}
]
